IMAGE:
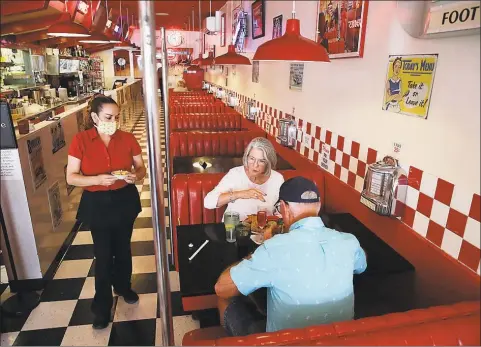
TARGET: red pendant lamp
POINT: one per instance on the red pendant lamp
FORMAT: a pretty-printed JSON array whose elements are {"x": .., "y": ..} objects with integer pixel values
[
  {"x": 208, "y": 61},
  {"x": 292, "y": 46},
  {"x": 66, "y": 28},
  {"x": 231, "y": 58}
]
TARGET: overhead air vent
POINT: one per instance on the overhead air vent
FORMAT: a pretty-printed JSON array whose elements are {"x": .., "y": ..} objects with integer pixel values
[{"x": 436, "y": 19}]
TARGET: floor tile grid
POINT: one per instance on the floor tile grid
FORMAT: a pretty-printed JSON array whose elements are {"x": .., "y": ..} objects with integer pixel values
[{"x": 64, "y": 317}]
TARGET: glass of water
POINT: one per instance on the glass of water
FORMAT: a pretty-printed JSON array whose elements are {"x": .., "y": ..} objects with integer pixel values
[{"x": 231, "y": 219}]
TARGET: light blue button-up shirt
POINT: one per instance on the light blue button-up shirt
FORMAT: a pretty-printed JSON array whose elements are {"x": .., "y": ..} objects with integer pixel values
[{"x": 308, "y": 272}]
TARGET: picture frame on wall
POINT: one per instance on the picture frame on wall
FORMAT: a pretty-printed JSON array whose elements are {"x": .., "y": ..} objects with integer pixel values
[
  {"x": 255, "y": 72},
  {"x": 258, "y": 14},
  {"x": 341, "y": 27},
  {"x": 277, "y": 27},
  {"x": 222, "y": 30}
]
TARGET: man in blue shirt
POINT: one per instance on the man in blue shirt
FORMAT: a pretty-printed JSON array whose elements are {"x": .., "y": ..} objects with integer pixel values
[{"x": 308, "y": 271}]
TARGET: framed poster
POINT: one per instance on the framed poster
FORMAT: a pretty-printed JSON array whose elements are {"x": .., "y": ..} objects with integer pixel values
[
  {"x": 58, "y": 137},
  {"x": 255, "y": 72},
  {"x": 409, "y": 83},
  {"x": 277, "y": 27},
  {"x": 37, "y": 167},
  {"x": 258, "y": 19},
  {"x": 55, "y": 203},
  {"x": 222, "y": 30},
  {"x": 296, "y": 76},
  {"x": 341, "y": 27}
]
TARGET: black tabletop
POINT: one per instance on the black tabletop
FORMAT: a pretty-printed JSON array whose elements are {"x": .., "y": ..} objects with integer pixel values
[
  {"x": 199, "y": 275},
  {"x": 386, "y": 286},
  {"x": 218, "y": 164}
]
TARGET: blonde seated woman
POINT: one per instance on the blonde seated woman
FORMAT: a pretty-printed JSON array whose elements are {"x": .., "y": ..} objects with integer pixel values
[
  {"x": 255, "y": 184},
  {"x": 181, "y": 87}
]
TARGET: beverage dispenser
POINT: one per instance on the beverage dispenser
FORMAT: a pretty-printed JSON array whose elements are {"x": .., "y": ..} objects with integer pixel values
[{"x": 385, "y": 188}]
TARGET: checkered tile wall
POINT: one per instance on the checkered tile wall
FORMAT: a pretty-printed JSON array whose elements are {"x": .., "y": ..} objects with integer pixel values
[{"x": 436, "y": 209}]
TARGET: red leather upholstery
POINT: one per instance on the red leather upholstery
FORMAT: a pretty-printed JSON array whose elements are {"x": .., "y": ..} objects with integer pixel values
[
  {"x": 219, "y": 122},
  {"x": 198, "y": 108},
  {"x": 189, "y": 191},
  {"x": 195, "y": 144},
  {"x": 452, "y": 325}
]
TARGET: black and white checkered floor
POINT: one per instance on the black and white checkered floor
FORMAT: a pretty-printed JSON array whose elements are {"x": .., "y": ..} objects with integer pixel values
[{"x": 63, "y": 317}]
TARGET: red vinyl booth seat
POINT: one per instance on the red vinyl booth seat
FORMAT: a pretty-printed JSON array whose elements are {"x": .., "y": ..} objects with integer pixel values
[
  {"x": 196, "y": 143},
  {"x": 451, "y": 325},
  {"x": 189, "y": 191},
  {"x": 219, "y": 122}
]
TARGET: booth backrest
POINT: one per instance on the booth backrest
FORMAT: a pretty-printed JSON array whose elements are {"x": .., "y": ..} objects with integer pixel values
[
  {"x": 219, "y": 122},
  {"x": 189, "y": 190},
  {"x": 452, "y": 325},
  {"x": 196, "y": 143},
  {"x": 217, "y": 107}
]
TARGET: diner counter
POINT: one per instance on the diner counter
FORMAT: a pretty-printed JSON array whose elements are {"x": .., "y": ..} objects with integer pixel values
[
  {"x": 38, "y": 205},
  {"x": 59, "y": 108}
]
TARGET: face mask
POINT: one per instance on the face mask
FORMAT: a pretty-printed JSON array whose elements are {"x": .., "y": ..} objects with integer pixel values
[{"x": 107, "y": 128}]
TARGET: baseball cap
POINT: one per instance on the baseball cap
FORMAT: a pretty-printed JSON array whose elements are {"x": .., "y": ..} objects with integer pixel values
[{"x": 299, "y": 189}]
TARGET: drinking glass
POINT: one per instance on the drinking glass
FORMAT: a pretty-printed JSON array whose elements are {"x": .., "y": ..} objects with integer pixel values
[
  {"x": 262, "y": 217},
  {"x": 231, "y": 219}
]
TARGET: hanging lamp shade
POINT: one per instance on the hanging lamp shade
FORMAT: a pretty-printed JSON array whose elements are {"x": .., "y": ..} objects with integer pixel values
[
  {"x": 291, "y": 47},
  {"x": 231, "y": 58},
  {"x": 124, "y": 44},
  {"x": 194, "y": 68},
  {"x": 66, "y": 28},
  {"x": 208, "y": 61},
  {"x": 95, "y": 38},
  {"x": 197, "y": 60}
]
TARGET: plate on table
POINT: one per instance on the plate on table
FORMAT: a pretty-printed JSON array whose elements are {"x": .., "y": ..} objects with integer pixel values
[
  {"x": 257, "y": 238},
  {"x": 120, "y": 174}
]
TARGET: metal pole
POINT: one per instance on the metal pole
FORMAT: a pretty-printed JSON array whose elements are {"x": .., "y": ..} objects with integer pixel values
[
  {"x": 165, "y": 100},
  {"x": 147, "y": 25}
]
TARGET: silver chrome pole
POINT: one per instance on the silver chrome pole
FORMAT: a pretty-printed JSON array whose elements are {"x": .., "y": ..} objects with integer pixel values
[
  {"x": 147, "y": 25},
  {"x": 165, "y": 99}
]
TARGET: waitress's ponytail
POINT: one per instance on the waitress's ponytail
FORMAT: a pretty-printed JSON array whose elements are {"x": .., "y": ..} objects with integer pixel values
[{"x": 95, "y": 105}]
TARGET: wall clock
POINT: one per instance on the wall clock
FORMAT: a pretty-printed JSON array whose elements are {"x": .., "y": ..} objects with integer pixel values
[{"x": 175, "y": 38}]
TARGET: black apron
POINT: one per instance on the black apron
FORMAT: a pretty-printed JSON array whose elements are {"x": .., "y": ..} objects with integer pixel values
[{"x": 109, "y": 207}]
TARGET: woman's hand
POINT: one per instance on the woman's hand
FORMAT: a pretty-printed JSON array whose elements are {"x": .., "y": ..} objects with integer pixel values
[
  {"x": 251, "y": 194},
  {"x": 131, "y": 178},
  {"x": 106, "y": 180}
]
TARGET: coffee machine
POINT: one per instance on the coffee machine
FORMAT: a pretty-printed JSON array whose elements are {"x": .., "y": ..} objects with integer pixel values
[{"x": 72, "y": 83}]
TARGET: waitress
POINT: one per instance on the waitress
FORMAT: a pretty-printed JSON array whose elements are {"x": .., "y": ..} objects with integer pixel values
[{"x": 109, "y": 204}]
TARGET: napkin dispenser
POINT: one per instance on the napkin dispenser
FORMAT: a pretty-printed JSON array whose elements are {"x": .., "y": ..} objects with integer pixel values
[
  {"x": 205, "y": 85},
  {"x": 287, "y": 133},
  {"x": 385, "y": 188},
  {"x": 250, "y": 111}
]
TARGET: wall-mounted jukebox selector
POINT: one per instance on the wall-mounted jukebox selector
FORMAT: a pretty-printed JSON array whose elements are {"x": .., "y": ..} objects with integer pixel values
[
  {"x": 250, "y": 110},
  {"x": 385, "y": 188},
  {"x": 219, "y": 94},
  {"x": 233, "y": 101},
  {"x": 287, "y": 133}
]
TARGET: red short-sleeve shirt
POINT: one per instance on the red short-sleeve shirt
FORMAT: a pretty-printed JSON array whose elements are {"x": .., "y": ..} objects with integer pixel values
[{"x": 97, "y": 159}]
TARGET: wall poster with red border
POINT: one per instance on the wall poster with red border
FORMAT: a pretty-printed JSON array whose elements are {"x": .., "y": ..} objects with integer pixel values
[{"x": 341, "y": 27}]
